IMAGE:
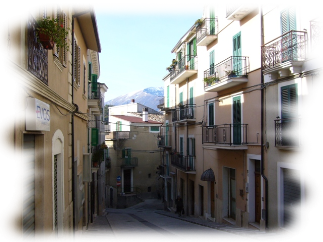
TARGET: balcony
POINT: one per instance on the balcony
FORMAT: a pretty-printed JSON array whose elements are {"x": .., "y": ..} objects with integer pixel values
[
  {"x": 37, "y": 55},
  {"x": 129, "y": 162},
  {"x": 165, "y": 141},
  {"x": 94, "y": 99},
  {"x": 226, "y": 135},
  {"x": 185, "y": 68},
  {"x": 184, "y": 114},
  {"x": 287, "y": 133},
  {"x": 238, "y": 12},
  {"x": 317, "y": 35},
  {"x": 228, "y": 73},
  {"x": 284, "y": 55},
  {"x": 117, "y": 135},
  {"x": 184, "y": 163},
  {"x": 207, "y": 32}
]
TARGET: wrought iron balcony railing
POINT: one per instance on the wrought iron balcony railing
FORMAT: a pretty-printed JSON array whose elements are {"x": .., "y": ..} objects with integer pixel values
[
  {"x": 225, "y": 134},
  {"x": 37, "y": 55},
  {"x": 287, "y": 132},
  {"x": 289, "y": 47},
  {"x": 95, "y": 94},
  {"x": 129, "y": 162},
  {"x": 165, "y": 140},
  {"x": 188, "y": 62},
  {"x": 317, "y": 34},
  {"x": 209, "y": 26},
  {"x": 234, "y": 66},
  {"x": 184, "y": 112},
  {"x": 232, "y": 5},
  {"x": 185, "y": 163}
]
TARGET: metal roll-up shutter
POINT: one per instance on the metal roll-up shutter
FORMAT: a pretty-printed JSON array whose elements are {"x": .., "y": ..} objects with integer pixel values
[
  {"x": 292, "y": 200},
  {"x": 29, "y": 188}
]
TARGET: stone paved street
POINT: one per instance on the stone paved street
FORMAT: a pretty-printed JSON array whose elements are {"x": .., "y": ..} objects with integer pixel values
[{"x": 149, "y": 219}]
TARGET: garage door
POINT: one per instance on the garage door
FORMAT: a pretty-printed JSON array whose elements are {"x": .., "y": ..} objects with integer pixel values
[{"x": 29, "y": 188}]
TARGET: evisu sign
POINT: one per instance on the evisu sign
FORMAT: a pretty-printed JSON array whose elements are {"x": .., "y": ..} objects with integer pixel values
[{"x": 37, "y": 115}]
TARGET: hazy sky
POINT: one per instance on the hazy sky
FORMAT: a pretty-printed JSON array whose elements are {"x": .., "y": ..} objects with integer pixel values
[{"x": 136, "y": 45}]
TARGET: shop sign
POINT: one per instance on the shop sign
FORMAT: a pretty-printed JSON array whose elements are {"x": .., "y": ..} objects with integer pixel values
[{"x": 37, "y": 115}]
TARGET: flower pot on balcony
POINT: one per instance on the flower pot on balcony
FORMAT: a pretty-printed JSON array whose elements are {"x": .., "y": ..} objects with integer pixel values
[
  {"x": 186, "y": 67},
  {"x": 45, "y": 40}
]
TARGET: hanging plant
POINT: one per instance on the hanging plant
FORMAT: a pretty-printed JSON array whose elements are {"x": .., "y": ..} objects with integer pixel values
[
  {"x": 49, "y": 31},
  {"x": 198, "y": 22}
]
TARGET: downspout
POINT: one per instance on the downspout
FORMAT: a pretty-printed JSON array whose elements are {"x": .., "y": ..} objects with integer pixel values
[
  {"x": 262, "y": 122},
  {"x": 72, "y": 121}
]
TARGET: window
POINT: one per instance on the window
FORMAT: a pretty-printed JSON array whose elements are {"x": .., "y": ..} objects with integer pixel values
[
  {"x": 212, "y": 62},
  {"x": 211, "y": 112},
  {"x": 154, "y": 129},
  {"x": 118, "y": 126},
  {"x": 94, "y": 136},
  {"x": 84, "y": 77},
  {"x": 77, "y": 63}
]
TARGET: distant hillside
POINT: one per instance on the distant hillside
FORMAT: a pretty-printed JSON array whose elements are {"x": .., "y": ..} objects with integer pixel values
[{"x": 149, "y": 97}]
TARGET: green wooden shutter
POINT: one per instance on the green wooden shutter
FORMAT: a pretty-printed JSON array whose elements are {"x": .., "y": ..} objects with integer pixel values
[
  {"x": 94, "y": 84},
  {"x": 181, "y": 145},
  {"x": 236, "y": 120},
  {"x": 193, "y": 147},
  {"x": 191, "y": 95},
  {"x": 94, "y": 136},
  {"x": 211, "y": 114},
  {"x": 181, "y": 108},
  {"x": 212, "y": 22},
  {"x": 188, "y": 147},
  {"x": 212, "y": 62},
  {"x": 181, "y": 98},
  {"x": 120, "y": 126},
  {"x": 289, "y": 101},
  {"x": 288, "y": 20},
  {"x": 237, "y": 62},
  {"x": 167, "y": 98}
]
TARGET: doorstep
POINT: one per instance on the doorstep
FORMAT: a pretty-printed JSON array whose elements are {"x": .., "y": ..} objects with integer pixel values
[{"x": 230, "y": 221}]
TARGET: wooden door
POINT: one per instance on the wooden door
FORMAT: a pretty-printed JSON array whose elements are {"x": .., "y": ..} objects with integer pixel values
[
  {"x": 127, "y": 180},
  {"x": 212, "y": 200}
]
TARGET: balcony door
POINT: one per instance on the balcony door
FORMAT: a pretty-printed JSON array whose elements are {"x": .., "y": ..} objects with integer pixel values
[
  {"x": 236, "y": 120},
  {"x": 212, "y": 63},
  {"x": 289, "y": 106},
  {"x": 289, "y": 41},
  {"x": 237, "y": 63},
  {"x": 191, "y": 48},
  {"x": 212, "y": 22}
]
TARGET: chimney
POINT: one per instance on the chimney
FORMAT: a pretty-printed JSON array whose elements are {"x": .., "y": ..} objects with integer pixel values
[
  {"x": 132, "y": 100},
  {"x": 145, "y": 114}
]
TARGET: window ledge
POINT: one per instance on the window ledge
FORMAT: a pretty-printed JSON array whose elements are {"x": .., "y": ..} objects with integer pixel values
[{"x": 291, "y": 148}]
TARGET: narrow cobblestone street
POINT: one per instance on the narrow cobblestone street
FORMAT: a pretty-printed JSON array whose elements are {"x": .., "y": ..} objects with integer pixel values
[{"x": 149, "y": 219}]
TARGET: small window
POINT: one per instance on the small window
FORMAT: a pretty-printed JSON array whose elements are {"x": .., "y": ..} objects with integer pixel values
[
  {"x": 149, "y": 189},
  {"x": 149, "y": 175},
  {"x": 154, "y": 129}
]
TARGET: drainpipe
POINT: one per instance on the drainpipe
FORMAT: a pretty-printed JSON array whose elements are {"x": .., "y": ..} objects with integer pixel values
[
  {"x": 72, "y": 121},
  {"x": 262, "y": 123}
]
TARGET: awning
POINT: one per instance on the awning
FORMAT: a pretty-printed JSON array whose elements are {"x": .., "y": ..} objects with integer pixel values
[{"x": 208, "y": 175}]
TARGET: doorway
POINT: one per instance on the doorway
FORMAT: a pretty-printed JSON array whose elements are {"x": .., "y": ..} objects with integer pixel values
[
  {"x": 201, "y": 192},
  {"x": 127, "y": 181}
]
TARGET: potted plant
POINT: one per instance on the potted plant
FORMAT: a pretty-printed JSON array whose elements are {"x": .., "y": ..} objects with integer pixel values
[
  {"x": 198, "y": 22},
  {"x": 231, "y": 73},
  {"x": 50, "y": 31}
]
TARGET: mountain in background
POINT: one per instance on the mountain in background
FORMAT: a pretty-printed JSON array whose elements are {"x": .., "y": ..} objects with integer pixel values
[{"x": 149, "y": 97}]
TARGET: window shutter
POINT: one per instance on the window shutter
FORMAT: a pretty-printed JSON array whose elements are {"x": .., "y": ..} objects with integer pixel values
[
  {"x": 289, "y": 101},
  {"x": 120, "y": 126},
  {"x": 211, "y": 114},
  {"x": 167, "y": 98},
  {"x": 63, "y": 58},
  {"x": 194, "y": 47},
  {"x": 123, "y": 153},
  {"x": 74, "y": 60},
  {"x": 191, "y": 95},
  {"x": 78, "y": 65},
  {"x": 188, "y": 147},
  {"x": 181, "y": 98},
  {"x": 94, "y": 136},
  {"x": 193, "y": 147},
  {"x": 94, "y": 83}
]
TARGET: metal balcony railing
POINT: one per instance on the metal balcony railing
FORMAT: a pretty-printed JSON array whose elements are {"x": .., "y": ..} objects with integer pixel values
[
  {"x": 232, "y": 5},
  {"x": 94, "y": 94},
  {"x": 209, "y": 26},
  {"x": 317, "y": 34},
  {"x": 234, "y": 66},
  {"x": 185, "y": 163},
  {"x": 188, "y": 62},
  {"x": 226, "y": 134},
  {"x": 129, "y": 162},
  {"x": 184, "y": 112},
  {"x": 287, "y": 132},
  {"x": 37, "y": 55},
  {"x": 287, "y": 47},
  {"x": 165, "y": 140}
]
